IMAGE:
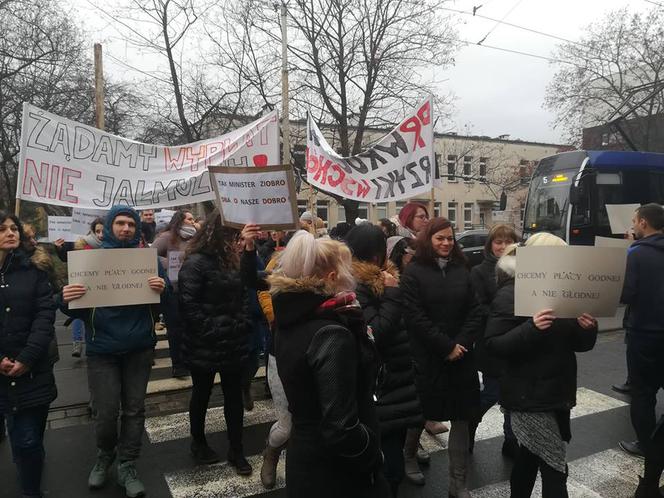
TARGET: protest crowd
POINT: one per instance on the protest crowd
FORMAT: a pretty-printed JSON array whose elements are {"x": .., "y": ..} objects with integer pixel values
[{"x": 371, "y": 335}]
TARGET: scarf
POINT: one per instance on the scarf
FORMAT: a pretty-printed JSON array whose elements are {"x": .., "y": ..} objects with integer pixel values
[
  {"x": 92, "y": 241},
  {"x": 187, "y": 232},
  {"x": 442, "y": 263}
]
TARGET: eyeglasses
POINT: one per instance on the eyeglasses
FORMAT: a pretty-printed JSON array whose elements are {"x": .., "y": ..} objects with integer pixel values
[{"x": 421, "y": 217}]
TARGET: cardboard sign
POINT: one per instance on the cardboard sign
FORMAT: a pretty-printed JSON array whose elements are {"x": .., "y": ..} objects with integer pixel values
[
  {"x": 81, "y": 219},
  {"x": 66, "y": 163},
  {"x": 264, "y": 196},
  {"x": 163, "y": 217},
  {"x": 175, "y": 259},
  {"x": 59, "y": 227},
  {"x": 620, "y": 217},
  {"x": 570, "y": 280},
  {"x": 114, "y": 277},
  {"x": 399, "y": 166},
  {"x": 611, "y": 242}
]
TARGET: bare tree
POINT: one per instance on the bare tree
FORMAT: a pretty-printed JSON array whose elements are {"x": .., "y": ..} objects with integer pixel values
[
  {"x": 360, "y": 63},
  {"x": 611, "y": 69}
]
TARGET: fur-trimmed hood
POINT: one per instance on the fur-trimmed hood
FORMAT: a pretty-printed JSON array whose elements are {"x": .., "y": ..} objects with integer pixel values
[
  {"x": 371, "y": 275},
  {"x": 281, "y": 284},
  {"x": 506, "y": 267},
  {"x": 42, "y": 260}
]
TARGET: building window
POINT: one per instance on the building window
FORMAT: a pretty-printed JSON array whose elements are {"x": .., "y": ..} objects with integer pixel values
[
  {"x": 521, "y": 210},
  {"x": 467, "y": 215},
  {"x": 363, "y": 211},
  {"x": 381, "y": 211},
  {"x": 301, "y": 206},
  {"x": 451, "y": 212},
  {"x": 341, "y": 214},
  {"x": 322, "y": 210},
  {"x": 439, "y": 160},
  {"x": 451, "y": 168},
  {"x": 467, "y": 168},
  {"x": 438, "y": 209},
  {"x": 482, "y": 220},
  {"x": 483, "y": 161}
]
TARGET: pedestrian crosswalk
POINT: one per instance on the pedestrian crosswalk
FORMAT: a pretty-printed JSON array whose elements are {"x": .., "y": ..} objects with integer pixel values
[{"x": 609, "y": 473}]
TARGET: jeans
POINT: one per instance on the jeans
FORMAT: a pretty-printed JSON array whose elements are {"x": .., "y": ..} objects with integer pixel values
[
  {"x": 645, "y": 358},
  {"x": 524, "y": 473},
  {"x": 174, "y": 328},
  {"x": 393, "y": 464},
  {"x": 231, "y": 385},
  {"x": 26, "y": 435},
  {"x": 77, "y": 330},
  {"x": 119, "y": 381},
  {"x": 489, "y": 396}
]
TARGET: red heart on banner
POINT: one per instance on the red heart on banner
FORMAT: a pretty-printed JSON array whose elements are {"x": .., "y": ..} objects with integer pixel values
[{"x": 260, "y": 160}]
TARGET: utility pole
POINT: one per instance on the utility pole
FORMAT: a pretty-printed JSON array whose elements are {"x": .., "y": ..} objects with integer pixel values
[{"x": 99, "y": 88}]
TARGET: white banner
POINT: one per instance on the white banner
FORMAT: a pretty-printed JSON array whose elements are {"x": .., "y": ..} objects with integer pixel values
[
  {"x": 569, "y": 280},
  {"x": 264, "y": 196},
  {"x": 66, "y": 163},
  {"x": 59, "y": 227},
  {"x": 399, "y": 166}
]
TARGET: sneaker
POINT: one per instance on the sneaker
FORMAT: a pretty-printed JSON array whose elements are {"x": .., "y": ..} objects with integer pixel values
[
  {"x": 203, "y": 454},
  {"x": 128, "y": 479},
  {"x": 99, "y": 473},
  {"x": 77, "y": 349},
  {"x": 180, "y": 372},
  {"x": 632, "y": 448},
  {"x": 236, "y": 459}
]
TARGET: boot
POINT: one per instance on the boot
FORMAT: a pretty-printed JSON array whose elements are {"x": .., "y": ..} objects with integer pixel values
[
  {"x": 423, "y": 456},
  {"x": 458, "y": 456},
  {"x": 435, "y": 428},
  {"x": 128, "y": 479},
  {"x": 236, "y": 459},
  {"x": 411, "y": 467},
  {"x": 647, "y": 489},
  {"x": 269, "y": 467},
  {"x": 77, "y": 349},
  {"x": 99, "y": 473},
  {"x": 202, "y": 453}
]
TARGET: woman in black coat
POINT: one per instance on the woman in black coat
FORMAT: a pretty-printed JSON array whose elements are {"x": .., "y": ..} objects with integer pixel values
[
  {"x": 483, "y": 277},
  {"x": 444, "y": 320},
  {"x": 213, "y": 286},
  {"x": 27, "y": 384},
  {"x": 538, "y": 386},
  {"x": 380, "y": 297},
  {"x": 327, "y": 363}
]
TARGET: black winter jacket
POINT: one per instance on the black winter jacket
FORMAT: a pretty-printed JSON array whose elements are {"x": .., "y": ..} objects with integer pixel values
[
  {"x": 398, "y": 405},
  {"x": 27, "y": 314},
  {"x": 327, "y": 364},
  {"x": 483, "y": 277},
  {"x": 214, "y": 304},
  {"x": 441, "y": 311},
  {"x": 643, "y": 290},
  {"x": 540, "y": 373}
]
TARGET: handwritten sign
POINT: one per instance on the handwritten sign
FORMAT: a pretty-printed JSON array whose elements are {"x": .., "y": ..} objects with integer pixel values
[
  {"x": 66, "y": 163},
  {"x": 59, "y": 227},
  {"x": 398, "y": 166},
  {"x": 81, "y": 219},
  {"x": 113, "y": 277},
  {"x": 265, "y": 196},
  {"x": 611, "y": 242},
  {"x": 175, "y": 260},
  {"x": 570, "y": 280},
  {"x": 620, "y": 216}
]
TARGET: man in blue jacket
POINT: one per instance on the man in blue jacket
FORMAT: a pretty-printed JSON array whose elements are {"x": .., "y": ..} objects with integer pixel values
[
  {"x": 120, "y": 344},
  {"x": 643, "y": 293}
]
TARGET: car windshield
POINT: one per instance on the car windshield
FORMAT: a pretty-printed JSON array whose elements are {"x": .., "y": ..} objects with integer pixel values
[{"x": 548, "y": 200}]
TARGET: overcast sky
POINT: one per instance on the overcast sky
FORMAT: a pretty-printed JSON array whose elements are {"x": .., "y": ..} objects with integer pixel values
[{"x": 497, "y": 93}]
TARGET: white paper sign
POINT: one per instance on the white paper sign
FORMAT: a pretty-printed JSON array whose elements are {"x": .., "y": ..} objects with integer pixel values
[
  {"x": 611, "y": 242},
  {"x": 175, "y": 260},
  {"x": 570, "y": 280},
  {"x": 265, "y": 196},
  {"x": 620, "y": 217},
  {"x": 114, "y": 277},
  {"x": 163, "y": 217},
  {"x": 66, "y": 163},
  {"x": 398, "y": 167},
  {"x": 59, "y": 227},
  {"x": 81, "y": 219}
]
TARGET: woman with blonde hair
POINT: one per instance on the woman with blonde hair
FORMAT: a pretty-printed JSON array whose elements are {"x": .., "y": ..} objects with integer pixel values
[
  {"x": 328, "y": 365},
  {"x": 538, "y": 385}
]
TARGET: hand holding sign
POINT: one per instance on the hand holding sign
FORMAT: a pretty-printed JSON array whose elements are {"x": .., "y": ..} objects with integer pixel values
[
  {"x": 249, "y": 234},
  {"x": 72, "y": 292},
  {"x": 157, "y": 284},
  {"x": 586, "y": 321},
  {"x": 544, "y": 319}
]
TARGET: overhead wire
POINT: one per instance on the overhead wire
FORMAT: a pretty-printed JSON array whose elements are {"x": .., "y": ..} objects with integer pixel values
[{"x": 499, "y": 22}]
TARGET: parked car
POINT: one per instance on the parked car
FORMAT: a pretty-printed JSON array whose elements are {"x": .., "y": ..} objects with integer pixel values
[{"x": 472, "y": 244}]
